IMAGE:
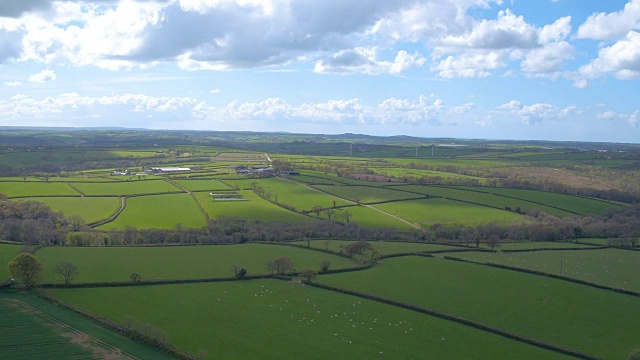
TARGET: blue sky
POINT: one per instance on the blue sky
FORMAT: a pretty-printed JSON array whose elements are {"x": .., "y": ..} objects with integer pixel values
[{"x": 493, "y": 69}]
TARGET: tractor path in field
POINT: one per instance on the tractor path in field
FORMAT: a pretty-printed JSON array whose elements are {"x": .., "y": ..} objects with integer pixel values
[
  {"x": 352, "y": 202},
  {"x": 100, "y": 348},
  {"x": 202, "y": 210},
  {"x": 123, "y": 205}
]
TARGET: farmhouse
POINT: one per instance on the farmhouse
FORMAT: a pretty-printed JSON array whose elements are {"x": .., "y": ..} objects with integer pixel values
[
  {"x": 120, "y": 173},
  {"x": 169, "y": 170}
]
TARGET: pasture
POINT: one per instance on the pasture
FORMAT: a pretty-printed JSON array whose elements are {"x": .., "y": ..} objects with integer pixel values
[
  {"x": 298, "y": 196},
  {"x": 126, "y": 188},
  {"x": 590, "y": 320},
  {"x": 369, "y": 217},
  {"x": 90, "y": 209},
  {"x": 100, "y": 264},
  {"x": 160, "y": 212},
  {"x": 611, "y": 267},
  {"x": 383, "y": 247},
  {"x": 7, "y": 253},
  {"x": 254, "y": 208},
  {"x": 35, "y": 329},
  {"x": 534, "y": 245},
  {"x": 271, "y": 319},
  {"x": 366, "y": 194},
  {"x": 202, "y": 185},
  {"x": 29, "y": 189},
  {"x": 431, "y": 211}
]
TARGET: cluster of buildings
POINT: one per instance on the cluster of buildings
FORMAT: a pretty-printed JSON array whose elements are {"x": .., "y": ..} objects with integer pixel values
[{"x": 154, "y": 171}]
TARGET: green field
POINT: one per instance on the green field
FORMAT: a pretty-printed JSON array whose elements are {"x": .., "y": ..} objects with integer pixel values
[
  {"x": 580, "y": 205},
  {"x": 270, "y": 319},
  {"x": 298, "y": 196},
  {"x": 7, "y": 253},
  {"x": 154, "y": 263},
  {"x": 383, "y": 247},
  {"x": 202, "y": 185},
  {"x": 536, "y": 245},
  {"x": 444, "y": 211},
  {"x": 369, "y": 217},
  {"x": 590, "y": 320},
  {"x": 126, "y": 188},
  {"x": 23, "y": 189},
  {"x": 34, "y": 329},
  {"x": 159, "y": 211},
  {"x": 481, "y": 198},
  {"x": 90, "y": 209},
  {"x": 611, "y": 267},
  {"x": 366, "y": 194},
  {"x": 253, "y": 209}
]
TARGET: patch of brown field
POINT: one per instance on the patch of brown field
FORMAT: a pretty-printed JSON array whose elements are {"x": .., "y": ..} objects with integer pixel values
[
  {"x": 370, "y": 177},
  {"x": 562, "y": 176},
  {"x": 99, "y": 350}
]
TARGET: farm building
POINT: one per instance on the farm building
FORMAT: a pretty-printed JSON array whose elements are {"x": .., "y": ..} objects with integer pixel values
[
  {"x": 120, "y": 173},
  {"x": 169, "y": 170}
]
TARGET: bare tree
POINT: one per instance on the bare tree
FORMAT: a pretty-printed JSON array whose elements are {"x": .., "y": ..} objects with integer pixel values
[
  {"x": 135, "y": 277},
  {"x": 67, "y": 270},
  {"x": 309, "y": 274},
  {"x": 329, "y": 213},
  {"x": 358, "y": 248},
  {"x": 283, "y": 265},
  {"x": 317, "y": 210},
  {"x": 325, "y": 265},
  {"x": 347, "y": 215},
  {"x": 493, "y": 241}
]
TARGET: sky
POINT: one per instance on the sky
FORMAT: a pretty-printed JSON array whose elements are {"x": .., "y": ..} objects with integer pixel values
[{"x": 485, "y": 69}]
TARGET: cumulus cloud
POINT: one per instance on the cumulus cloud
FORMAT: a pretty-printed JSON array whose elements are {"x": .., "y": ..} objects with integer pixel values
[
  {"x": 621, "y": 59},
  {"x": 15, "y": 8},
  {"x": 631, "y": 119},
  {"x": 537, "y": 113},
  {"x": 43, "y": 76},
  {"x": 12, "y": 83},
  {"x": 603, "y": 26},
  {"x": 365, "y": 60}
]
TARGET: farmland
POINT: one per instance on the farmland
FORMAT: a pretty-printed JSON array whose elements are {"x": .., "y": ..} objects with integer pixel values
[
  {"x": 126, "y": 188},
  {"x": 298, "y": 196},
  {"x": 384, "y": 247},
  {"x": 202, "y": 185},
  {"x": 284, "y": 317},
  {"x": 366, "y": 194},
  {"x": 90, "y": 209},
  {"x": 7, "y": 253},
  {"x": 29, "y": 189}
]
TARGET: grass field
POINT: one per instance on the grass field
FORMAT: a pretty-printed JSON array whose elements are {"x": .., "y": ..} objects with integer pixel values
[
  {"x": 480, "y": 198},
  {"x": 536, "y": 245},
  {"x": 126, "y": 188},
  {"x": 7, "y": 253},
  {"x": 444, "y": 211},
  {"x": 612, "y": 267},
  {"x": 35, "y": 329},
  {"x": 202, "y": 185},
  {"x": 159, "y": 211},
  {"x": 383, "y": 247},
  {"x": 253, "y": 209},
  {"x": 298, "y": 196},
  {"x": 153, "y": 263},
  {"x": 370, "y": 218},
  {"x": 88, "y": 208},
  {"x": 366, "y": 194},
  {"x": 270, "y": 319},
  {"x": 590, "y": 320},
  {"x": 582, "y": 206},
  {"x": 14, "y": 189}
]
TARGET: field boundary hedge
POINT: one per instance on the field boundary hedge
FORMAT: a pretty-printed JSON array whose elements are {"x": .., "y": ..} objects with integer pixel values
[
  {"x": 555, "y": 249},
  {"x": 193, "y": 197},
  {"x": 154, "y": 282},
  {"x": 456, "y": 319},
  {"x": 113, "y": 217},
  {"x": 76, "y": 189},
  {"x": 540, "y": 273}
]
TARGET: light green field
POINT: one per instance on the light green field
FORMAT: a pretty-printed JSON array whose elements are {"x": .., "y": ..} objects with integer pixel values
[
  {"x": 35, "y": 329},
  {"x": 298, "y": 196},
  {"x": 7, "y": 253},
  {"x": 443, "y": 211},
  {"x": 253, "y": 209},
  {"x": 399, "y": 173},
  {"x": 370, "y": 218},
  {"x": 88, "y": 208},
  {"x": 312, "y": 180},
  {"x": 383, "y": 247},
  {"x": 611, "y": 267},
  {"x": 270, "y": 319},
  {"x": 481, "y": 198},
  {"x": 159, "y": 211},
  {"x": 83, "y": 179},
  {"x": 202, "y": 185},
  {"x": 178, "y": 262},
  {"x": 126, "y": 188},
  {"x": 582, "y": 206},
  {"x": 366, "y": 194},
  {"x": 15, "y": 189},
  {"x": 534, "y": 306}
]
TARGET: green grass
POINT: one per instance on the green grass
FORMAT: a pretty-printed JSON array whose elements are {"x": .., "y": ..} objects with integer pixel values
[
  {"x": 88, "y": 208},
  {"x": 443, "y": 211},
  {"x": 154, "y": 263},
  {"x": 126, "y": 188},
  {"x": 536, "y": 245},
  {"x": 369, "y": 218},
  {"x": 7, "y": 253},
  {"x": 202, "y": 185},
  {"x": 366, "y": 194},
  {"x": 582, "y": 206},
  {"x": 15, "y": 189},
  {"x": 35, "y": 329},
  {"x": 298, "y": 196},
  {"x": 598, "y": 322},
  {"x": 611, "y": 267},
  {"x": 383, "y": 247},
  {"x": 270, "y": 319},
  {"x": 253, "y": 209},
  {"x": 480, "y": 198},
  {"x": 159, "y": 211}
]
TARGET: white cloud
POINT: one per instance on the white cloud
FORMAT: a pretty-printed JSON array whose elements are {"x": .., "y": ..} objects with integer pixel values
[
  {"x": 547, "y": 59},
  {"x": 537, "y": 113},
  {"x": 621, "y": 59},
  {"x": 603, "y": 26},
  {"x": 215, "y": 91},
  {"x": 43, "y": 76},
  {"x": 12, "y": 83},
  {"x": 631, "y": 119},
  {"x": 365, "y": 60}
]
